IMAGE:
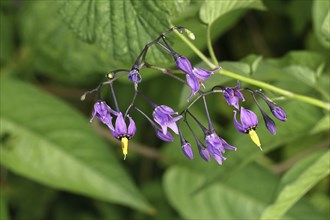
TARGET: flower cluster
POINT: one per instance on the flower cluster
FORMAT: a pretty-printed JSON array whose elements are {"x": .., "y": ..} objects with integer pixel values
[{"x": 166, "y": 122}]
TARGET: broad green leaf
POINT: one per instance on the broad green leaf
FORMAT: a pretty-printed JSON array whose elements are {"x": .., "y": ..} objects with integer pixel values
[
  {"x": 49, "y": 142},
  {"x": 322, "y": 125},
  {"x": 243, "y": 196},
  {"x": 211, "y": 10},
  {"x": 320, "y": 13},
  {"x": 325, "y": 28},
  {"x": 4, "y": 214},
  {"x": 302, "y": 73},
  {"x": 122, "y": 27},
  {"x": 301, "y": 178}
]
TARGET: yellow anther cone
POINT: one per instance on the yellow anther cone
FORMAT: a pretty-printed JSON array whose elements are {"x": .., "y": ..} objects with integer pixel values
[
  {"x": 254, "y": 137},
  {"x": 124, "y": 146}
]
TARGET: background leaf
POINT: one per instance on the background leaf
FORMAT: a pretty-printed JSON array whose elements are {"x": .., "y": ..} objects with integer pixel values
[
  {"x": 227, "y": 199},
  {"x": 212, "y": 10},
  {"x": 297, "y": 182},
  {"x": 51, "y": 143},
  {"x": 320, "y": 11},
  {"x": 102, "y": 22}
]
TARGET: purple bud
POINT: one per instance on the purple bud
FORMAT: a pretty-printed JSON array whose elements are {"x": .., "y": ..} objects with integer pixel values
[
  {"x": 186, "y": 148},
  {"x": 278, "y": 112},
  {"x": 270, "y": 124},
  {"x": 134, "y": 76}
]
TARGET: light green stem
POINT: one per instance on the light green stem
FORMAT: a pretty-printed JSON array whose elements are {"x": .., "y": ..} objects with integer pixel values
[
  {"x": 209, "y": 44},
  {"x": 266, "y": 86}
]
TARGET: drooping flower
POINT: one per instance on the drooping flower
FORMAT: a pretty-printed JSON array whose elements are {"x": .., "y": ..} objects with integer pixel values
[
  {"x": 103, "y": 112},
  {"x": 249, "y": 122},
  {"x": 134, "y": 76},
  {"x": 195, "y": 76},
  {"x": 233, "y": 95},
  {"x": 124, "y": 133},
  {"x": 216, "y": 147},
  {"x": 163, "y": 116}
]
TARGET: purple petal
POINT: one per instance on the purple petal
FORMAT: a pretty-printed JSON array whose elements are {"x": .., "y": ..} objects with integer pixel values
[
  {"x": 131, "y": 128},
  {"x": 201, "y": 73},
  {"x": 227, "y": 146},
  {"x": 248, "y": 118},
  {"x": 204, "y": 153},
  {"x": 168, "y": 137},
  {"x": 121, "y": 128},
  {"x": 186, "y": 148},
  {"x": 219, "y": 158},
  {"x": 184, "y": 64},
  {"x": 165, "y": 110},
  {"x": 238, "y": 126},
  {"x": 214, "y": 144},
  {"x": 174, "y": 127},
  {"x": 193, "y": 84}
]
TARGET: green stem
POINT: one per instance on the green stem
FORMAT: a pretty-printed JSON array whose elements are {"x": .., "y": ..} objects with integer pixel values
[
  {"x": 266, "y": 86},
  {"x": 209, "y": 45}
]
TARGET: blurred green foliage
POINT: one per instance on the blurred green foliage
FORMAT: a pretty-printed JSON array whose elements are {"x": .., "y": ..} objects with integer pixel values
[{"x": 54, "y": 165}]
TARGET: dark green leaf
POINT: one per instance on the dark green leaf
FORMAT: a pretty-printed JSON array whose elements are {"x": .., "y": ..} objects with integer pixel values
[
  {"x": 6, "y": 37},
  {"x": 325, "y": 29},
  {"x": 53, "y": 144},
  {"x": 122, "y": 27},
  {"x": 212, "y": 10},
  {"x": 301, "y": 178}
]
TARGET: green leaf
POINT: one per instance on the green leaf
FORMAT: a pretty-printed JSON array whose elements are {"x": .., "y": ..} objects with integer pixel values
[
  {"x": 301, "y": 178},
  {"x": 325, "y": 28},
  {"x": 212, "y": 10},
  {"x": 51, "y": 143},
  {"x": 302, "y": 73},
  {"x": 243, "y": 196},
  {"x": 322, "y": 125},
  {"x": 320, "y": 15},
  {"x": 122, "y": 27}
]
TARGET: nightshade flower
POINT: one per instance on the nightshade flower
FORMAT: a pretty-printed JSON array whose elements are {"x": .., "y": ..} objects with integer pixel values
[
  {"x": 195, "y": 76},
  {"x": 233, "y": 95},
  {"x": 134, "y": 76},
  {"x": 103, "y": 112},
  {"x": 249, "y": 122},
  {"x": 124, "y": 133},
  {"x": 277, "y": 111},
  {"x": 216, "y": 147},
  {"x": 163, "y": 116}
]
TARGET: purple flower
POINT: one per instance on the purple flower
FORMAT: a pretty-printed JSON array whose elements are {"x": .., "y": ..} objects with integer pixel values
[
  {"x": 121, "y": 130},
  {"x": 233, "y": 95},
  {"x": 216, "y": 147},
  {"x": 124, "y": 133},
  {"x": 195, "y": 76},
  {"x": 168, "y": 137},
  {"x": 249, "y": 122},
  {"x": 186, "y": 148},
  {"x": 103, "y": 112},
  {"x": 134, "y": 76},
  {"x": 163, "y": 116}
]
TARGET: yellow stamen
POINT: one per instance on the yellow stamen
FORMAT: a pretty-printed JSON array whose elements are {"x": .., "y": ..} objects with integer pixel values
[
  {"x": 110, "y": 75},
  {"x": 124, "y": 146},
  {"x": 254, "y": 137}
]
